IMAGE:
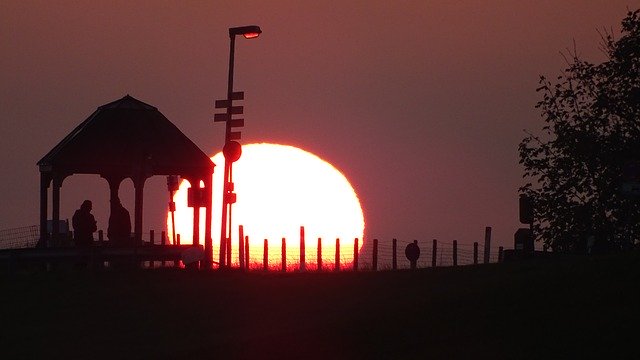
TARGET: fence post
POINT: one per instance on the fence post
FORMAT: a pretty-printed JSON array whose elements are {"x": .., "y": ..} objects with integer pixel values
[
  {"x": 455, "y": 252},
  {"x": 434, "y": 253},
  {"x": 246, "y": 252},
  {"x": 176, "y": 263},
  {"x": 475, "y": 253},
  {"x": 101, "y": 237},
  {"x": 163, "y": 242},
  {"x": 178, "y": 239},
  {"x": 500, "y": 254},
  {"x": 284, "y": 255},
  {"x": 303, "y": 266},
  {"x": 319, "y": 256},
  {"x": 394, "y": 254},
  {"x": 152, "y": 240},
  {"x": 265, "y": 256},
  {"x": 375, "y": 254},
  {"x": 228, "y": 241},
  {"x": 337, "y": 265},
  {"x": 241, "y": 247},
  {"x": 355, "y": 254},
  {"x": 487, "y": 244}
]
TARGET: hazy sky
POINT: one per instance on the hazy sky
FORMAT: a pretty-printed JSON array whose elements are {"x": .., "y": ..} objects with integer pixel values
[{"x": 421, "y": 104}]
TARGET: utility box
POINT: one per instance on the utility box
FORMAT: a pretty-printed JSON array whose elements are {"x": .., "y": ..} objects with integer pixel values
[{"x": 523, "y": 241}]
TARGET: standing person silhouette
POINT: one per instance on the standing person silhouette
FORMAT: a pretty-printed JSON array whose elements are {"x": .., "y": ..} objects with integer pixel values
[
  {"x": 119, "y": 230},
  {"x": 84, "y": 225},
  {"x": 412, "y": 252}
]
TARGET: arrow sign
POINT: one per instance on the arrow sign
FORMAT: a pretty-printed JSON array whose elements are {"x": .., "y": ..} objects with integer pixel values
[
  {"x": 221, "y": 117},
  {"x": 236, "y": 110},
  {"x": 234, "y": 135},
  {"x": 238, "y": 95},
  {"x": 236, "y": 122},
  {"x": 220, "y": 104}
]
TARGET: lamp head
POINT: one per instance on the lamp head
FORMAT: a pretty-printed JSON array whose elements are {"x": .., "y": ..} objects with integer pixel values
[{"x": 249, "y": 32}]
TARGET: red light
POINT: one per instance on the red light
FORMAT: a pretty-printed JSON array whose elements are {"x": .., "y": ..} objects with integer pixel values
[{"x": 251, "y": 35}]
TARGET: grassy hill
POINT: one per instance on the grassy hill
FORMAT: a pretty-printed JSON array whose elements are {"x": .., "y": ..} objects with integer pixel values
[{"x": 560, "y": 308}]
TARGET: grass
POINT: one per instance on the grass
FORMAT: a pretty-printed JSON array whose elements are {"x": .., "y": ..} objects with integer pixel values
[{"x": 559, "y": 308}]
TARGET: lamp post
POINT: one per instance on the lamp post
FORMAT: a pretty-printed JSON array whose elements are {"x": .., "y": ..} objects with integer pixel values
[{"x": 232, "y": 149}]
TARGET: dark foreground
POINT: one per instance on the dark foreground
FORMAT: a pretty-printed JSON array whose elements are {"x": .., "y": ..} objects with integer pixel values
[{"x": 554, "y": 308}]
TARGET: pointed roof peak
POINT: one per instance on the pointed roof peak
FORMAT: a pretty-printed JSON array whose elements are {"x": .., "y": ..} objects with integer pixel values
[{"x": 127, "y": 102}]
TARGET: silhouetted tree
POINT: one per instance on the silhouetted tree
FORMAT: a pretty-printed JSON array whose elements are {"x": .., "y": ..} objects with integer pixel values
[{"x": 590, "y": 140}]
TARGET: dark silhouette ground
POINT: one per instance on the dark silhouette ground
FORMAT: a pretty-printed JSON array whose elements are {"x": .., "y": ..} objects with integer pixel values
[{"x": 553, "y": 308}]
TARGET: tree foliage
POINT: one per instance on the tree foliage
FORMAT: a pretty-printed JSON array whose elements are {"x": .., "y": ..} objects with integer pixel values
[{"x": 579, "y": 165}]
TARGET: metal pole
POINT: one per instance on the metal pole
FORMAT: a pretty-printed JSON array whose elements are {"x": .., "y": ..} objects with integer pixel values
[{"x": 227, "y": 164}]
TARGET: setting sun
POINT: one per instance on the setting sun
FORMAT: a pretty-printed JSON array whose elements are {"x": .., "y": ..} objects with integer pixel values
[{"x": 280, "y": 188}]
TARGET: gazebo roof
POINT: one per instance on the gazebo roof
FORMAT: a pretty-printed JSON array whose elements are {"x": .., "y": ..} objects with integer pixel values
[{"x": 124, "y": 137}]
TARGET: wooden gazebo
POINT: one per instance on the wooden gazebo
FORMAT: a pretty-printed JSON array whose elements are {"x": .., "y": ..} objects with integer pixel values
[{"x": 123, "y": 139}]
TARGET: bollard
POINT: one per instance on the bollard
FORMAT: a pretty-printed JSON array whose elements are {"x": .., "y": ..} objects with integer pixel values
[
  {"x": 434, "y": 253},
  {"x": 163, "y": 242},
  {"x": 303, "y": 266},
  {"x": 246, "y": 252},
  {"x": 284, "y": 255},
  {"x": 265, "y": 256},
  {"x": 355, "y": 254},
  {"x": 455, "y": 252},
  {"x": 375, "y": 254},
  {"x": 487, "y": 244},
  {"x": 337, "y": 265},
  {"x": 319, "y": 255},
  {"x": 241, "y": 247},
  {"x": 500, "y": 254},
  {"x": 394, "y": 254},
  {"x": 152, "y": 235},
  {"x": 475, "y": 253}
]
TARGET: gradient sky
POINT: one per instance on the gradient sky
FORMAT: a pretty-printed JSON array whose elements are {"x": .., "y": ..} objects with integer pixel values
[{"x": 421, "y": 104}]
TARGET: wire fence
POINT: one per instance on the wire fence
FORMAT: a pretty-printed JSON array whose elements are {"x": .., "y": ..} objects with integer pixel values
[
  {"x": 18, "y": 238},
  {"x": 369, "y": 257}
]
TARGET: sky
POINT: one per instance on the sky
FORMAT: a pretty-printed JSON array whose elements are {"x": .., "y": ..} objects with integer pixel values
[{"x": 420, "y": 104}]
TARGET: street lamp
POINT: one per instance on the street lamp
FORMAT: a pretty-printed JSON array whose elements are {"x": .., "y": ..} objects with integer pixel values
[{"x": 232, "y": 149}]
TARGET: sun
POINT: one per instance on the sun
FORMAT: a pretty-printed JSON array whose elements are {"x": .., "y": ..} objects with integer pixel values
[{"x": 280, "y": 188}]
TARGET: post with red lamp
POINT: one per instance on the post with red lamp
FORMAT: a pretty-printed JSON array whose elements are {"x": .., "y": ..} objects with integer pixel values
[{"x": 232, "y": 149}]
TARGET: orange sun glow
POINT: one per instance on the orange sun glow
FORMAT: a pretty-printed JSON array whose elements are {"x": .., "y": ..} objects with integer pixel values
[{"x": 280, "y": 188}]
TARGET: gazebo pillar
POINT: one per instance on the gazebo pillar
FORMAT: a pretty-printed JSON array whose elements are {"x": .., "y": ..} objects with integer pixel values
[
  {"x": 45, "y": 180},
  {"x": 55, "y": 226},
  {"x": 138, "y": 184},
  {"x": 208, "y": 242}
]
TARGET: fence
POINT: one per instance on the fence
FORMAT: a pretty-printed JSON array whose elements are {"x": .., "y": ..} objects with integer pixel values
[
  {"x": 18, "y": 238},
  {"x": 319, "y": 254}
]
